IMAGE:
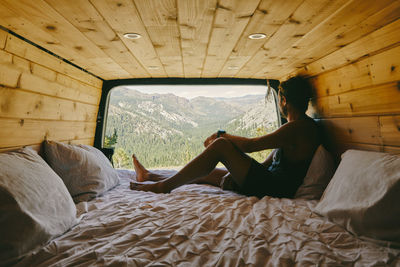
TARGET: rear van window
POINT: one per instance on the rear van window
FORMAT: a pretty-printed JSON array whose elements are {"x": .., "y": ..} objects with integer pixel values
[{"x": 165, "y": 126}]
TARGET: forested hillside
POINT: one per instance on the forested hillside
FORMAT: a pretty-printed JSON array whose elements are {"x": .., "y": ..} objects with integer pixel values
[{"x": 165, "y": 130}]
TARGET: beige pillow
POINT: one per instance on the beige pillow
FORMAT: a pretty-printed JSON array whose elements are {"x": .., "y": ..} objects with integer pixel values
[
  {"x": 319, "y": 174},
  {"x": 84, "y": 169},
  {"x": 34, "y": 204},
  {"x": 364, "y": 195}
]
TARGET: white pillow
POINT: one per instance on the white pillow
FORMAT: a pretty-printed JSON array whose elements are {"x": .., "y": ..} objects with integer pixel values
[
  {"x": 364, "y": 195},
  {"x": 84, "y": 169},
  {"x": 34, "y": 204},
  {"x": 319, "y": 174}
]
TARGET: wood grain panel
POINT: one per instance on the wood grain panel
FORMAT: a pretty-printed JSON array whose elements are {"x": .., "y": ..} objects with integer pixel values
[
  {"x": 123, "y": 17},
  {"x": 160, "y": 20},
  {"x": 347, "y": 25},
  {"x": 390, "y": 130},
  {"x": 267, "y": 18},
  {"x": 38, "y": 100},
  {"x": 391, "y": 149},
  {"x": 13, "y": 66},
  {"x": 5, "y": 57},
  {"x": 354, "y": 129},
  {"x": 22, "y": 63},
  {"x": 33, "y": 83},
  {"x": 371, "y": 44},
  {"x": 75, "y": 84},
  {"x": 375, "y": 100},
  {"x": 303, "y": 20},
  {"x": 9, "y": 75},
  {"x": 374, "y": 70},
  {"x": 38, "y": 147},
  {"x": 342, "y": 147},
  {"x": 195, "y": 19},
  {"x": 27, "y": 131},
  {"x": 22, "y": 49},
  {"x": 66, "y": 40},
  {"x": 15, "y": 103},
  {"x": 375, "y": 133},
  {"x": 86, "y": 18},
  {"x": 3, "y": 38},
  {"x": 231, "y": 18},
  {"x": 43, "y": 72}
]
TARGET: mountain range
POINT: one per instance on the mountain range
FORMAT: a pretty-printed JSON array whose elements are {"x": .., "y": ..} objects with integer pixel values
[{"x": 151, "y": 124}]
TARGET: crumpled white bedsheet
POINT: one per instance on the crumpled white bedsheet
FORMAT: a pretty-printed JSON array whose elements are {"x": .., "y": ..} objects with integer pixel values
[{"x": 201, "y": 225}]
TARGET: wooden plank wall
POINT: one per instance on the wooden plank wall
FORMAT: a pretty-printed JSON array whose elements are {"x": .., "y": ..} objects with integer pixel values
[
  {"x": 358, "y": 92},
  {"x": 42, "y": 97}
]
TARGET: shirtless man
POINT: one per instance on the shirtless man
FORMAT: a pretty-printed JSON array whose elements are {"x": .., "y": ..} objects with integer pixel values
[{"x": 279, "y": 175}]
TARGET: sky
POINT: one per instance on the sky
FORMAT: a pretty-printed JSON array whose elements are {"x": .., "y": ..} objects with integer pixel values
[{"x": 191, "y": 91}]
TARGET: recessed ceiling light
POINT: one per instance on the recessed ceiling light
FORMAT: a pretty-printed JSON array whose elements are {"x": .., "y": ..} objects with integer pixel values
[
  {"x": 153, "y": 67},
  {"x": 132, "y": 36},
  {"x": 233, "y": 68},
  {"x": 256, "y": 36}
]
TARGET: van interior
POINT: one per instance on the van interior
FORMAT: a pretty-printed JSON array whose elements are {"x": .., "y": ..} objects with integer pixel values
[{"x": 61, "y": 59}]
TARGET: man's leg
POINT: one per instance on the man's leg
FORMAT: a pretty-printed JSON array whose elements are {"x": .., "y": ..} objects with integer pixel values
[
  {"x": 143, "y": 175},
  {"x": 213, "y": 178},
  {"x": 221, "y": 150}
]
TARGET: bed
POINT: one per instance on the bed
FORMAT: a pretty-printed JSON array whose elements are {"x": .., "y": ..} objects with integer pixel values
[{"x": 202, "y": 225}]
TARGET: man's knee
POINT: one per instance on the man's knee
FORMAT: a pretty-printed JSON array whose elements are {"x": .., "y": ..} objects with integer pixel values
[{"x": 221, "y": 144}]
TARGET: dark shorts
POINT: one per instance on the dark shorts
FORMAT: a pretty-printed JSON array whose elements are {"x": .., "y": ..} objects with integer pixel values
[{"x": 262, "y": 182}]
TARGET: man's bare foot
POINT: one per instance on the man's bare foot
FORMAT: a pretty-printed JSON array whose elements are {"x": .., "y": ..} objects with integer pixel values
[
  {"x": 142, "y": 174},
  {"x": 157, "y": 187}
]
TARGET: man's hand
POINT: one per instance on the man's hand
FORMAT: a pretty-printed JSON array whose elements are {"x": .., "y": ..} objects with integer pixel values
[{"x": 210, "y": 139}]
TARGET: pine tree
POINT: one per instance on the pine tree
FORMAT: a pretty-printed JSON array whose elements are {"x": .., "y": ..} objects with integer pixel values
[{"x": 121, "y": 159}]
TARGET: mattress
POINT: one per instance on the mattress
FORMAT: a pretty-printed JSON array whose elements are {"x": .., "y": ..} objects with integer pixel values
[{"x": 202, "y": 225}]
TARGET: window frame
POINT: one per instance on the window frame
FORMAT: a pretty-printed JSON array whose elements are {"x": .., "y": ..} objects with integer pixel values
[{"x": 108, "y": 85}]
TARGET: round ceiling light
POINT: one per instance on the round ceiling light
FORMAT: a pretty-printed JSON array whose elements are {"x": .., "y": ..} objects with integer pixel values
[
  {"x": 132, "y": 36},
  {"x": 257, "y": 36}
]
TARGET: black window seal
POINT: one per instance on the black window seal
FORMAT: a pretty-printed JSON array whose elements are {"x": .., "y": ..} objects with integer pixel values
[{"x": 108, "y": 85}]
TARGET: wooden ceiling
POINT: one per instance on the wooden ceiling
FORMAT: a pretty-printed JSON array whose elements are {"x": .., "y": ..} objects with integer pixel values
[{"x": 195, "y": 38}]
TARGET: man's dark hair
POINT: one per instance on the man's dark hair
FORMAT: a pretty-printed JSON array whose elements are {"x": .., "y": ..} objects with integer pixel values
[{"x": 297, "y": 91}]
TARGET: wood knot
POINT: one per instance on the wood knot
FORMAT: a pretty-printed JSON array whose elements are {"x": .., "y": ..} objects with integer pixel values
[
  {"x": 223, "y": 7},
  {"x": 5, "y": 106},
  {"x": 119, "y": 4},
  {"x": 293, "y": 21},
  {"x": 21, "y": 122},
  {"x": 350, "y": 131},
  {"x": 79, "y": 48},
  {"x": 51, "y": 27},
  {"x": 263, "y": 11},
  {"x": 38, "y": 104},
  {"x": 392, "y": 68}
]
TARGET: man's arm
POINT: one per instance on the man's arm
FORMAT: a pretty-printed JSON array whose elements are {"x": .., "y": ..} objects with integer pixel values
[
  {"x": 239, "y": 141},
  {"x": 280, "y": 138}
]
